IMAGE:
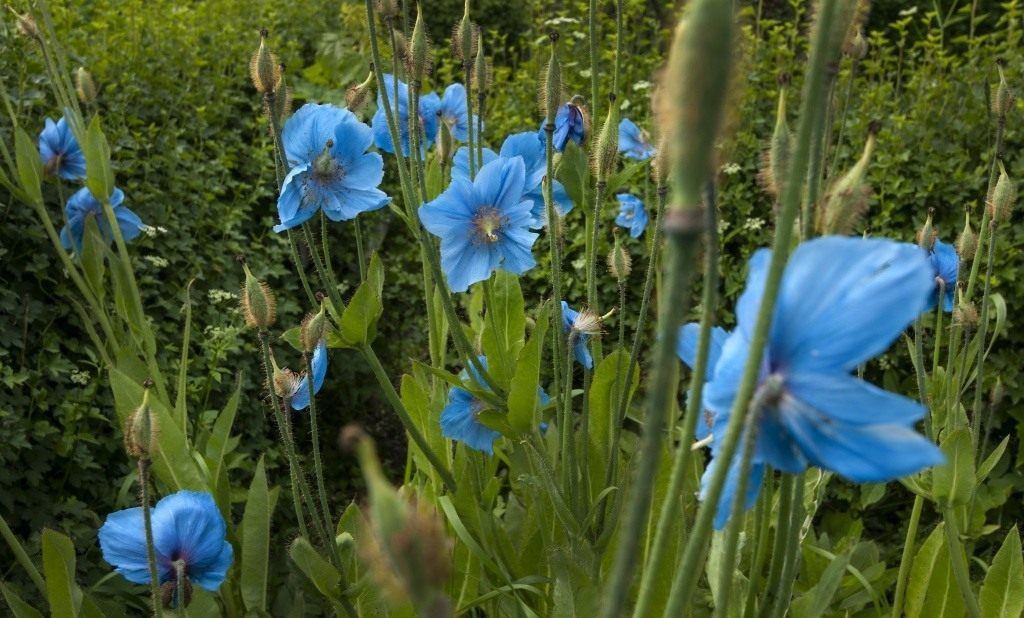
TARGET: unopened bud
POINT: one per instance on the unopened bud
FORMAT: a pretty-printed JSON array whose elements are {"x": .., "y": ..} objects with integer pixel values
[
  {"x": 263, "y": 68},
  {"x": 421, "y": 58},
  {"x": 258, "y": 305},
  {"x": 620, "y": 263},
  {"x": 140, "y": 434},
  {"x": 998, "y": 392},
  {"x": 481, "y": 73},
  {"x": 358, "y": 95},
  {"x": 857, "y": 46},
  {"x": 965, "y": 313},
  {"x": 465, "y": 38},
  {"x": 659, "y": 165},
  {"x": 26, "y": 25},
  {"x": 387, "y": 9},
  {"x": 285, "y": 381},
  {"x": 445, "y": 142},
  {"x": 1004, "y": 197},
  {"x": 848, "y": 198},
  {"x": 776, "y": 160},
  {"x": 401, "y": 48},
  {"x": 551, "y": 90},
  {"x": 279, "y": 101},
  {"x": 607, "y": 152},
  {"x": 1002, "y": 98},
  {"x": 967, "y": 244},
  {"x": 314, "y": 328},
  {"x": 926, "y": 235},
  {"x": 85, "y": 87}
]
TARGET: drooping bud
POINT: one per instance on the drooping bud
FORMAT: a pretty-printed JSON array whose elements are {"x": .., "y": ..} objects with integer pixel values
[
  {"x": 967, "y": 244},
  {"x": 314, "y": 328},
  {"x": 421, "y": 57},
  {"x": 26, "y": 25},
  {"x": 286, "y": 381},
  {"x": 589, "y": 323},
  {"x": 85, "y": 87},
  {"x": 1002, "y": 98},
  {"x": 258, "y": 305},
  {"x": 620, "y": 264},
  {"x": 140, "y": 433},
  {"x": 607, "y": 152},
  {"x": 1004, "y": 197},
  {"x": 264, "y": 69},
  {"x": 848, "y": 198},
  {"x": 926, "y": 235},
  {"x": 776, "y": 160},
  {"x": 358, "y": 95},
  {"x": 551, "y": 90}
]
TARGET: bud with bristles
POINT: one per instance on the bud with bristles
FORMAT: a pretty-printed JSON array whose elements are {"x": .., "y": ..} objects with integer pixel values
[
  {"x": 998, "y": 392},
  {"x": 967, "y": 244},
  {"x": 263, "y": 68},
  {"x": 358, "y": 95},
  {"x": 659, "y": 165},
  {"x": 846, "y": 201},
  {"x": 926, "y": 235},
  {"x": 776, "y": 160},
  {"x": 588, "y": 323},
  {"x": 965, "y": 313},
  {"x": 401, "y": 48},
  {"x": 857, "y": 46},
  {"x": 314, "y": 328},
  {"x": 258, "y": 304},
  {"x": 85, "y": 87},
  {"x": 481, "y": 75},
  {"x": 1004, "y": 197},
  {"x": 279, "y": 101},
  {"x": 465, "y": 39},
  {"x": 1002, "y": 98},
  {"x": 387, "y": 9},
  {"x": 421, "y": 58},
  {"x": 607, "y": 152},
  {"x": 620, "y": 264},
  {"x": 285, "y": 381},
  {"x": 445, "y": 142},
  {"x": 140, "y": 433},
  {"x": 551, "y": 92},
  {"x": 26, "y": 25}
]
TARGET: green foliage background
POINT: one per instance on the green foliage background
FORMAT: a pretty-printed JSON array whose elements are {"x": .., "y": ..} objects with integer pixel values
[{"x": 193, "y": 157}]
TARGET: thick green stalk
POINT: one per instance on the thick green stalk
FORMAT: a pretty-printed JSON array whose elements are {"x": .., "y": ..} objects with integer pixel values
[
  {"x": 959, "y": 563},
  {"x": 595, "y": 223},
  {"x": 471, "y": 139},
  {"x": 565, "y": 426},
  {"x": 792, "y": 548},
  {"x": 410, "y": 426},
  {"x": 669, "y": 514},
  {"x": 181, "y": 583},
  {"x": 22, "y": 556},
  {"x": 811, "y": 113},
  {"x": 592, "y": 43},
  {"x": 147, "y": 524},
  {"x": 976, "y": 415},
  {"x": 318, "y": 465},
  {"x": 997, "y": 150},
  {"x": 554, "y": 229},
  {"x": 940, "y": 312},
  {"x": 907, "y": 559},
  {"x": 781, "y": 542},
  {"x": 618, "y": 47},
  {"x": 762, "y": 516}
]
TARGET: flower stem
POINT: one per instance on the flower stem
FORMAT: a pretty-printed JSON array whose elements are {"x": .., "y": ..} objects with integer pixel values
[
  {"x": 762, "y": 516},
  {"x": 318, "y": 466},
  {"x": 360, "y": 252},
  {"x": 940, "y": 312},
  {"x": 180, "y": 595},
  {"x": 976, "y": 412},
  {"x": 959, "y": 563},
  {"x": 147, "y": 522},
  {"x": 792, "y": 551},
  {"x": 908, "y": 557},
  {"x": 592, "y": 43},
  {"x": 997, "y": 150},
  {"x": 554, "y": 230},
  {"x": 781, "y": 542},
  {"x": 565, "y": 427},
  {"x": 842, "y": 118},
  {"x": 595, "y": 227}
]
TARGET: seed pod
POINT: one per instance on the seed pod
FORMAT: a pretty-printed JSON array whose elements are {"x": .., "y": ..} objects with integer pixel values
[
  {"x": 776, "y": 160},
  {"x": 926, "y": 235},
  {"x": 551, "y": 85},
  {"x": 140, "y": 434},
  {"x": 965, "y": 313},
  {"x": 1002, "y": 98},
  {"x": 358, "y": 95},
  {"x": 264, "y": 68},
  {"x": 285, "y": 381},
  {"x": 258, "y": 304},
  {"x": 620, "y": 263},
  {"x": 85, "y": 87},
  {"x": 607, "y": 152},
  {"x": 1004, "y": 197},
  {"x": 421, "y": 58},
  {"x": 967, "y": 244},
  {"x": 848, "y": 198},
  {"x": 314, "y": 328}
]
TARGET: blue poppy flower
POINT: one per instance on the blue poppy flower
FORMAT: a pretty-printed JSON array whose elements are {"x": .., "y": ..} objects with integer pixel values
[
  {"x": 326, "y": 147},
  {"x": 454, "y": 113},
  {"x": 570, "y": 124},
  {"x": 946, "y": 265},
  {"x": 82, "y": 205},
  {"x": 633, "y": 142},
  {"x": 429, "y": 106},
  {"x": 483, "y": 225},
  {"x": 531, "y": 149},
  {"x": 580, "y": 342},
  {"x": 186, "y": 525},
  {"x": 842, "y": 301},
  {"x": 459, "y": 417},
  {"x": 300, "y": 396},
  {"x": 686, "y": 349},
  {"x": 60, "y": 151},
  {"x": 632, "y": 214}
]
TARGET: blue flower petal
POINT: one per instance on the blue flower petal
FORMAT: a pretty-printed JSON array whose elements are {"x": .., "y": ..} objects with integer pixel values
[
  {"x": 632, "y": 143},
  {"x": 500, "y": 183},
  {"x": 188, "y": 526},
  {"x": 460, "y": 163},
  {"x": 946, "y": 263},
  {"x": 300, "y": 398},
  {"x": 459, "y": 422},
  {"x": 725, "y": 501},
  {"x": 306, "y": 133},
  {"x": 123, "y": 544},
  {"x": 846, "y": 399},
  {"x": 632, "y": 214}
]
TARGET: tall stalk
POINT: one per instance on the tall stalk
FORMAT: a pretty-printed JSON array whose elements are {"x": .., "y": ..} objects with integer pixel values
[{"x": 147, "y": 524}]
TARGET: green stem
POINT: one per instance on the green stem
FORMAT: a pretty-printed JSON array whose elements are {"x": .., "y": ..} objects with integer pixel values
[
  {"x": 595, "y": 222},
  {"x": 410, "y": 426},
  {"x": 922, "y": 376},
  {"x": 762, "y": 513},
  {"x": 22, "y": 556},
  {"x": 940, "y": 312},
  {"x": 467, "y": 71},
  {"x": 554, "y": 228},
  {"x": 842, "y": 118},
  {"x": 618, "y": 47},
  {"x": 592, "y": 43},
  {"x": 907, "y": 559},
  {"x": 792, "y": 547},
  {"x": 781, "y": 542},
  {"x": 959, "y": 563},
  {"x": 976, "y": 414},
  {"x": 811, "y": 113},
  {"x": 147, "y": 524},
  {"x": 318, "y": 466},
  {"x": 181, "y": 584},
  {"x": 297, "y": 260},
  {"x": 983, "y": 228},
  {"x": 565, "y": 427},
  {"x": 360, "y": 252}
]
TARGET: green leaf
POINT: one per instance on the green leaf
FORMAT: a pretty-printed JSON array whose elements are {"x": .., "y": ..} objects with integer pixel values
[
  {"x": 293, "y": 337},
  {"x": 359, "y": 321},
  {"x": 1002, "y": 594},
  {"x": 59, "y": 567},
  {"x": 953, "y": 482},
  {"x": 574, "y": 172},
  {"x": 99, "y": 176},
  {"x": 181, "y": 402},
  {"x": 30, "y": 166},
  {"x": 218, "y": 446},
  {"x": 93, "y": 252},
  {"x": 990, "y": 462},
  {"x": 502, "y": 336},
  {"x": 434, "y": 179},
  {"x": 931, "y": 590},
  {"x": 18, "y": 607},
  {"x": 605, "y": 391},
  {"x": 319, "y": 571},
  {"x": 256, "y": 542},
  {"x": 815, "y": 601},
  {"x": 523, "y": 398}
]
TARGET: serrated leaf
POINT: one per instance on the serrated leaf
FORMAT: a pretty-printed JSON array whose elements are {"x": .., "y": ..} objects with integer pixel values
[
  {"x": 953, "y": 482},
  {"x": 256, "y": 542},
  {"x": 523, "y": 396},
  {"x": 30, "y": 166},
  {"x": 1002, "y": 594}
]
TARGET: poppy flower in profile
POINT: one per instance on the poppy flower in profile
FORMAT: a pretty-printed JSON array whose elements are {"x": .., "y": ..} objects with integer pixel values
[
  {"x": 633, "y": 142},
  {"x": 842, "y": 301},
  {"x": 330, "y": 170},
  {"x": 429, "y": 106},
  {"x": 82, "y": 205},
  {"x": 686, "y": 349},
  {"x": 484, "y": 225},
  {"x": 60, "y": 151},
  {"x": 453, "y": 111},
  {"x": 632, "y": 214},
  {"x": 187, "y": 529},
  {"x": 570, "y": 124},
  {"x": 584, "y": 324},
  {"x": 300, "y": 394},
  {"x": 946, "y": 264}
]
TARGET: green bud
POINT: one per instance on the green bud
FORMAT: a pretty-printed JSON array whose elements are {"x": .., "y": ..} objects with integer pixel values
[
  {"x": 1002, "y": 98},
  {"x": 280, "y": 101},
  {"x": 776, "y": 160},
  {"x": 85, "y": 87},
  {"x": 140, "y": 435},
  {"x": 264, "y": 68},
  {"x": 387, "y": 9},
  {"x": 445, "y": 142},
  {"x": 551, "y": 89},
  {"x": 314, "y": 328},
  {"x": 26, "y": 25},
  {"x": 465, "y": 39},
  {"x": 421, "y": 58},
  {"x": 620, "y": 263},
  {"x": 607, "y": 152},
  {"x": 357, "y": 96},
  {"x": 481, "y": 74},
  {"x": 846, "y": 201},
  {"x": 258, "y": 305},
  {"x": 857, "y": 46},
  {"x": 1004, "y": 197},
  {"x": 967, "y": 244},
  {"x": 998, "y": 392},
  {"x": 926, "y": 235}
]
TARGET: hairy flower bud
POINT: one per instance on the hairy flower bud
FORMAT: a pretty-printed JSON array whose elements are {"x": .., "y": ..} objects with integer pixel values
[
  {"x": 1002, "y": 98},
  {"x": 1004, "y": 197},
  {"x": 85, "y": 87},
  {"x": 620, "y": 264},
  {"x": 314, "y": 328},
  {"x": 140, "y": 433},
  {"x": 285, "y": 381},
  {"x": 857, "y": 46},
  {"x": 264, "y": 69},
  {"x": 387, "y": 9},
  {"x": 659, "y": 164},
  {"x": 258, "y": 305},
  {"x": 847, "y": 199},
  {"x": 776, "y": 160},
  {"x": 965, "y": 313},
  {"x": 465, "y": 37},
  {"x": 481, "y": 74},
  {"x": 358, "y": 95},
  {"x": 26, "y": 25},
  {"x": 967, "y": 244},
  {"x": 926, "y": 235},
  {"x": 551, "y": 89},
  {"x": 445, "y": 142},
  {"x": 998, "y": 392},
  {"x": 278, "y": 102},
  {"x": 421, "y": 57},
  {"x": 606, "y": 153}
]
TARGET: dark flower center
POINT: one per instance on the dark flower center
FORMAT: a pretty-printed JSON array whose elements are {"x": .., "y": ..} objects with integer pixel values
[
  {"x": 325, "y": 166},
  {"x": 487, "y": 224}
]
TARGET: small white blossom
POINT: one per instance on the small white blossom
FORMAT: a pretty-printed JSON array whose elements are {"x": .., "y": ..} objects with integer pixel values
[
  {"x": 753, "y": 224},
  {"x": 561, "y": 21},
  {"x": 731, "y": 168},
  {"x": 642, "y": 85},
  {"x": 156, "y": 261},
  {"x": 80, "y": 377},
  {"x": 221, "y": 296},
  {"x": 153, "y": 231}
]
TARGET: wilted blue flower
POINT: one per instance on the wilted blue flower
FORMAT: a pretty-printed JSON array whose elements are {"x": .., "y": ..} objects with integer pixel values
[
  {"x": 570, "y": 322},
  {"x": 187, "y": 526},
  {"x": 483, "y": 225},
  {"x": 570, "y": 124},
  {"x": 453, "y": 111},
  {"x": 82, "y": 205},
  {"x": 531, "y": 149},
  {"x": 946, "y": 266},
  {"x": 686, "y": 348},
  {"x": 842, "y": 302},
  {"x": 633, "y": 142},
  {"x": 60, "y": 150},
  {"x": 330, "y": 168},
  {"x": 632, "y": 214},
  {"x": 300, "y": 396},
  {"x": 459, "y": 418},
  {"x": 429, "y": 106}
]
